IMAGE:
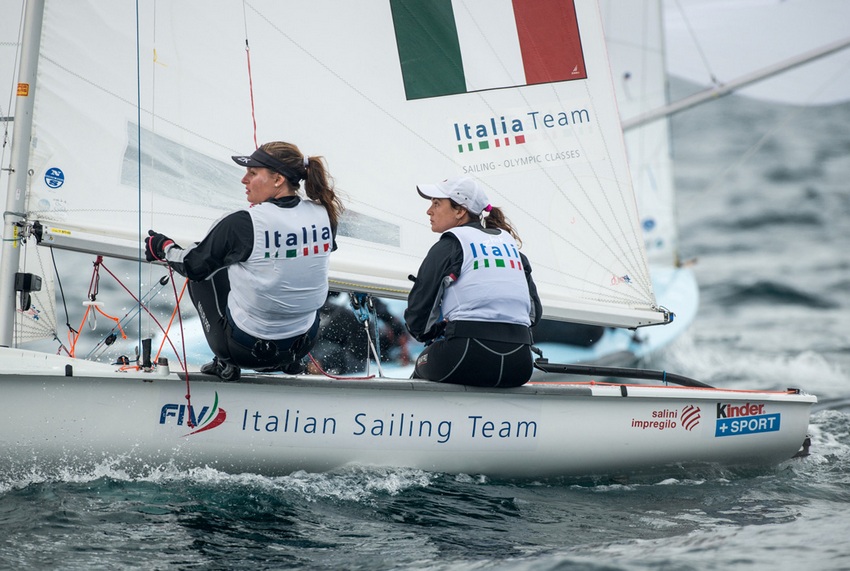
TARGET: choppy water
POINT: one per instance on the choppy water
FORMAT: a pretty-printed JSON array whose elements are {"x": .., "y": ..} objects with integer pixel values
[{"x": 769, "y": 231}]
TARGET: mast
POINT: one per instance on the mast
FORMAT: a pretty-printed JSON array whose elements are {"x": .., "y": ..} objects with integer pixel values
[{"x": 18, "y": 177}]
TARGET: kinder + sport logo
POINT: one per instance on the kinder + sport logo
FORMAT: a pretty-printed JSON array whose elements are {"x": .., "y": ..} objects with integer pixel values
[{"x": 747, "y": 418}]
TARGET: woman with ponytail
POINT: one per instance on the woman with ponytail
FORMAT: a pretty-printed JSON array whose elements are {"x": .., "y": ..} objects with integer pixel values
[
  {"x": 473, "y": 301},
  {"x": 261, "y": 312}
]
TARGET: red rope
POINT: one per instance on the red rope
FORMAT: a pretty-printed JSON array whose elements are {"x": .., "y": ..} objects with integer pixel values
[
  {"x": 171, "y": 321},
  {"x": 152, "y": 316},
  {"x": 182, "y": 333},
  {"x": 177, "y": 297},
  {"x": 335, "y": 377},
  {"x": 251, "y": 90}
]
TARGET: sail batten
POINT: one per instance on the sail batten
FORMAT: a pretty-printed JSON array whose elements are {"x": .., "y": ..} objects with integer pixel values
[{"x": 547, "y": 149}]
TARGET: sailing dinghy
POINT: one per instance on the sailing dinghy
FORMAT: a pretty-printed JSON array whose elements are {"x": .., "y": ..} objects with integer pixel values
[{"x": 124, "y": 122}]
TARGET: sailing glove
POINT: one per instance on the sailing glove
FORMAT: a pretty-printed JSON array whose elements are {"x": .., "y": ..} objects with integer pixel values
[{"x": 155, "y": 246}]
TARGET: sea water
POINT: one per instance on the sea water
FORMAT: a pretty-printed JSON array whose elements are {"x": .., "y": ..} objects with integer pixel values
[{"x": 767, "y": 222}]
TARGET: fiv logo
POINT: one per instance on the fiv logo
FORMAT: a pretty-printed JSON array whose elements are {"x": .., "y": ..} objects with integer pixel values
[{"x": 181, "y": 414}]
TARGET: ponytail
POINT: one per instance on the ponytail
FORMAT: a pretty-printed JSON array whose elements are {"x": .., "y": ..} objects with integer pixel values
[
  {"x": 497, "y": 219},
  {"x": 318, "y": 184}
]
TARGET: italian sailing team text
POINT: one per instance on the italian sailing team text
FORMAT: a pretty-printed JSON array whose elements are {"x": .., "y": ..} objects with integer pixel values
[{"x": 404, "y": 425}]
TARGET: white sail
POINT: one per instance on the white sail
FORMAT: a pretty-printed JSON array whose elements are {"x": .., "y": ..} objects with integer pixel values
[{"x": 550, "y": 154}]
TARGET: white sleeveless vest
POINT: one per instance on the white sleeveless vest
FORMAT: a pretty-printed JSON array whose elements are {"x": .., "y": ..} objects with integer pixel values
[
  {"x": 492, "y": 284},
  {"x": 275, "y": 293}
]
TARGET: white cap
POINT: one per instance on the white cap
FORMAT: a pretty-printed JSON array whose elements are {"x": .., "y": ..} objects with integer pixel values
[{"x": 464, "y": 190}]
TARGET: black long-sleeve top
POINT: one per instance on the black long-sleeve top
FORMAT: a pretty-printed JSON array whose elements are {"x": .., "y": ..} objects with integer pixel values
[
  {"x": 443, "y": 259},
  {"x": 229, "y": 241}
]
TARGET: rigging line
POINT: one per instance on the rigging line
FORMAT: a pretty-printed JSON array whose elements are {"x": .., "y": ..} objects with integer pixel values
[
  {"x": 61, "y": 291},
  {"x": 151, "y": 315},
  {"x": 697, "y": 43},
  {"x": 250, "y": 75},
  {"x": 754, "y": 148},
  {"x": 630, "y": 248},
  {"x": 177, "y": 299},
  {"x": 629, "y": 243},
  {"x": 45, "y": 214},
  {"x": 13, "y": 84},
  {"x": 128, "y": 317},
  {"x": 7, "y": 121},
  {"x": 139, "y": 160},
  {"x": 171, "y": 321},
  {"x": 840, "y": 73},
  {"x": 633, "y": 263}
]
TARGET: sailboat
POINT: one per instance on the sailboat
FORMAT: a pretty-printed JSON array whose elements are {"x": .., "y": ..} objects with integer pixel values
[{"x": 125, "y": 120}]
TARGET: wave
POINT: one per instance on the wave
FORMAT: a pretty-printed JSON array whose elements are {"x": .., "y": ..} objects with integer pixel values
[
  {"x": 771, "y": 219},
  {"x": 770, "y": 292}
]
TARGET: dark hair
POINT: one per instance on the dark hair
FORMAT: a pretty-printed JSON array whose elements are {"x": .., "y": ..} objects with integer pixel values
[
  {"x": 497, "y": 219},
  {"x": 318, "y": 184},
  {"x": 494, "y": 219}
]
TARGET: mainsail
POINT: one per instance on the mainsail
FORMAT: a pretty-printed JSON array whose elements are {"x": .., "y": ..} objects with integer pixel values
[{"x": 126, "y": 140}]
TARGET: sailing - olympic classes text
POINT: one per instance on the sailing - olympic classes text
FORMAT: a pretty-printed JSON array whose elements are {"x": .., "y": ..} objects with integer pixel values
[{"x": 523, "y": 161}]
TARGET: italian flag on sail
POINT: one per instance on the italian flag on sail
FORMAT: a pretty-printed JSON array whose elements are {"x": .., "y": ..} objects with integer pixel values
[{"x": 457, "y": 46}]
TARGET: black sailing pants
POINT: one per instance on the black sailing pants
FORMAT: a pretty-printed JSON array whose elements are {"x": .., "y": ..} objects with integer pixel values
[
  {"x": 232, "y": 345},
  {"x": 475, "y": 362}
]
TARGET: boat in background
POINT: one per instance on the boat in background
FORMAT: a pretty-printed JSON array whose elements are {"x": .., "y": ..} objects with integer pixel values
[
  {"x": 123, "y": 123},
  {"x": 787, "y": 51}
]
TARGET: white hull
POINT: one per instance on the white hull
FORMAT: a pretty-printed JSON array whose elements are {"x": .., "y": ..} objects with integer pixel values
[{"x": 275, "y": 425}]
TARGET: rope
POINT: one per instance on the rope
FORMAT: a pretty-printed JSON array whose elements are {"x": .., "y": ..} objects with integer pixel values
[
  {"x": 151, "y": 293},
  {"x": 363, "y": 306},
  {"x": 92, "y": 316},
  {"x": 143, "y": 306},
  {"x": 189, "y": 423},
  {"x": 250, "y": 75},
  {"x": 336, "y": 377},
  {"x": 697, "y": 43},
  {"x": 171, "y": 320},
  {"x": 251, "y": 90}
]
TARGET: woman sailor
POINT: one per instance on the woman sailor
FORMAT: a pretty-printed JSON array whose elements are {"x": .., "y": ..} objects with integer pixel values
[
  {"x": 473, "y": 301},
  {"x": 274, "y": 254}
]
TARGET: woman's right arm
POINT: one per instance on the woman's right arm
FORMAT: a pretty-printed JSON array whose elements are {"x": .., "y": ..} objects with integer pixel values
[
  {"x": 229, "y": 241},
  {"x": 423, "y": 303}
]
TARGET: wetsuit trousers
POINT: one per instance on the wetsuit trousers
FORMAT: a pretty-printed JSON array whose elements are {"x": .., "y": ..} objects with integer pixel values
[
  {"x": 232, "y": 345},
  {"x": 475, "y": 362}
]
